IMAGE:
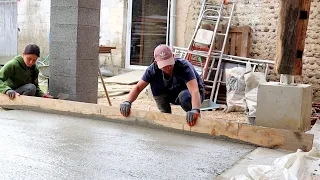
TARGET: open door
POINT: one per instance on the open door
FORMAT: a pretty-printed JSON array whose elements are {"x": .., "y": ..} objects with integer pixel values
[
  {"x": 147, "y": 28},
  {"x": 8, "y": 30}
]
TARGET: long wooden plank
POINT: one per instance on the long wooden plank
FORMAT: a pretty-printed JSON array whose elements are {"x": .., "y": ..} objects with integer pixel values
[{"x": 261, "y": 136}]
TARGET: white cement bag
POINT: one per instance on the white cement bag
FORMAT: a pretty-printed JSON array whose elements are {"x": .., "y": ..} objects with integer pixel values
[
  {"x": 296, "y": 166},
  {"x": 252, "y": 80},
  {"x": 235, "y": 89}
]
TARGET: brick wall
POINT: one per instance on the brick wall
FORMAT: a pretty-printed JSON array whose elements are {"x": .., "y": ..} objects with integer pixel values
[{"x": 262, "y": 17}]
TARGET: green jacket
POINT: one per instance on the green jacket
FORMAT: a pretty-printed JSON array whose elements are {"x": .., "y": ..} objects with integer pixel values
[{"x": 15, "y": 74}]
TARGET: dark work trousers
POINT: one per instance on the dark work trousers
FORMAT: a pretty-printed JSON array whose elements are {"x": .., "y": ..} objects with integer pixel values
[
  {"x": 183, "y": 99},
  {"x": 27, "y": 90}
]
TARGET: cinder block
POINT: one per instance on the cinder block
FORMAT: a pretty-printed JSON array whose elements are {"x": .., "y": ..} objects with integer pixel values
[
  {"x": 89, "y": 17},
  {"x": 93, "y": 4},
  {"x": 284, "y": 106},
  {"x": 88, "y": 97},
  {"x": 63, "y": 33},
  {"x": 88, "y": 34},
  {"x": 67, "y": 3},
  {"x": 87, "y": 84},
  {"x": 62, "y": 84},
  {"x": 63, "y": 50},
  {"x": 63, "y": 67},
  {"x": 88, "y": 50},
  {"x": 87, "y": 68},
  {"x": 64, "y": 15}
]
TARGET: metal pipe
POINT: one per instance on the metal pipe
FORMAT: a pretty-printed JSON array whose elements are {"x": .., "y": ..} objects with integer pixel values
[
  {"x": 172, "y": 23},
  {"x": 168, "y": 23}
]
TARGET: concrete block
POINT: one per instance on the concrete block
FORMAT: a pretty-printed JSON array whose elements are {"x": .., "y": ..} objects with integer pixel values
[
  {"x": 64, "y": 67},
  {"x": 64, "y": 15},
  {"x": 88, "y": 34},
  {"x": 88, "y": 97},
  {"x": 68, "y": 3},
  {"x": 62, "y": 84},
  {"x": 92, "y": 4},
  {"x": 63, "y": 50},
  {"x": 89, "y": 17},
  {"x": 87, "y": 84},
  {"x": 64, "y": 33},
  {"x": 284, "y": 106},
  {"x": 88, "y": 50},
  {"x": 87, "y": 68}
]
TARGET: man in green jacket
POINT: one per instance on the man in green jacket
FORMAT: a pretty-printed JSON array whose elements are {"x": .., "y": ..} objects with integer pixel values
[{"x": 20, "y": 75}]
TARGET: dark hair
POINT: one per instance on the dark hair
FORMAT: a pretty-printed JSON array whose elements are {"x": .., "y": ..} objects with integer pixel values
[{"x": 32, "y": 49}]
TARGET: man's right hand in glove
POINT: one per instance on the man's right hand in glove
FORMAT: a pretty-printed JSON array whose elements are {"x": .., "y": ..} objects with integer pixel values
[
  {"x": 125, "y": 108},
  {"x": 12, "y": 94}
]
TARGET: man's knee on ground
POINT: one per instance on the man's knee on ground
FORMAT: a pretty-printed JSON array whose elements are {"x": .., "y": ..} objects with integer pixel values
[{"x": 185, "y": 100}]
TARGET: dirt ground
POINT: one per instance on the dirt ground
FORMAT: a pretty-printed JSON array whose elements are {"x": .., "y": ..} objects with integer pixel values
[{"x": 118, "y": 93}]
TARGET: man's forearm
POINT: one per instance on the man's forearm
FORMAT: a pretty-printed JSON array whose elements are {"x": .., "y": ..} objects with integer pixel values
[
  {"x": 195, "y": 100},
  {"x": 133, "y": 95}
]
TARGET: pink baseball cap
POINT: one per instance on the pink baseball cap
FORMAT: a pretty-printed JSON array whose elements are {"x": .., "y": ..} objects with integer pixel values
[{"x": 163, "y": 55}]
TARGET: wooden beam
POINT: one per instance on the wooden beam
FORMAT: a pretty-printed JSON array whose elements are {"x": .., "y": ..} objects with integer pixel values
[
  {"x": 261, "y": 136},
  {"x": 301, "y": 34},
  {"x": 292, "y": 27}
]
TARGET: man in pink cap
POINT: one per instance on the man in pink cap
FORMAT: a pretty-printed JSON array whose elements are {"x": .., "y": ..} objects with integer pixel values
[{"x": 172, "y": 80}]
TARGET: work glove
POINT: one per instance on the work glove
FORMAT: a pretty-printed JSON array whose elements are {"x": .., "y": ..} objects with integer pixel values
[
  {"x": 47, "y": 95},
  {"x": 11, "y": 93},
  {"x": 192, "y": 116},
  {"x": 125, "y": 108}
]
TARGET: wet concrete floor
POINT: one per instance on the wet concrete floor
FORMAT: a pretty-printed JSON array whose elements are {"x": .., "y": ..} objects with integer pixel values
[{"x": 48, "y": 146}]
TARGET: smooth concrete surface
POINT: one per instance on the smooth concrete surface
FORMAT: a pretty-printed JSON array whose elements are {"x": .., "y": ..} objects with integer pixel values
[
  {"x": 284, "y": 106},
  {"x": 260, "y": 156},
  {"x": 48, "y": 146}
]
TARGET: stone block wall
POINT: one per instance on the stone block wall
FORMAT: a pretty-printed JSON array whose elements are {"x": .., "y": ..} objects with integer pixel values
[{"x": 262, "y": 17}]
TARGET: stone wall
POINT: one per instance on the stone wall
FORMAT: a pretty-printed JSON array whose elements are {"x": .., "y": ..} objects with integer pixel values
[{"x": 262, "y": 17}]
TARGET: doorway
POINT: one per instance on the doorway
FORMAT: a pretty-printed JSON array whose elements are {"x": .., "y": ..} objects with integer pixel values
[
  {"x": 147, "y": 28},
  {"x": 8, "y": 30}
]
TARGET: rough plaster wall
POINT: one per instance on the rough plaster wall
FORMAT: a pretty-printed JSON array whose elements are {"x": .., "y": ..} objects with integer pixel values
[
  {"x": 34, "y": 24},
  {"x": 262, "y": 17},
  {"x": 182, "y": 16},
  {"x": 111, "y": 23}
]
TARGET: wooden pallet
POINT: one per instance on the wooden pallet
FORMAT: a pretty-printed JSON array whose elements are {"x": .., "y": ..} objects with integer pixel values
[{"x": 238, "y": 42}]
